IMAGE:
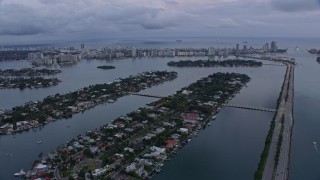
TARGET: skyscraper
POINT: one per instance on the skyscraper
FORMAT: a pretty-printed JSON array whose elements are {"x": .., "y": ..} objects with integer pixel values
[
  {"x": 133, "y": 52},
  {"x": 273, "y": 46},
  {"x": 237, "y": 48},
  {"x": 211, "y": 51}
]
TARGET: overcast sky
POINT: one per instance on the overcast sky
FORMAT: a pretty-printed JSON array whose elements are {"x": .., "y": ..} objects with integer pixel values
[{"x": 30, "y": 20}]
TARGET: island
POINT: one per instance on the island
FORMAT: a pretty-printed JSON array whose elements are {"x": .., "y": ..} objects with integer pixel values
[
  {"x": 136, "y": 145},
  {"x": 58, "y": 106},
  {"x": 22, "y": 83},
  {"x": 106, "y": 67},
  {"x": 28, "y": 72},
  {"x": 212, "y": 63},
  {"x": 314, "y": 51}
]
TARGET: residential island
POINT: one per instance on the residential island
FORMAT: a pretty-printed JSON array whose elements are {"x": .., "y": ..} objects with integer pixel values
[
  {"x": 28, "y": 72},
  {"x": 212, "y": 63},
  {"x": 35, "y": 113},
  {"x": 22, "y": 83},
  {"x": 136, "y": 145}
]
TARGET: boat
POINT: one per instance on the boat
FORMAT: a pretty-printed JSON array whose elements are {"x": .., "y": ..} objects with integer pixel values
[
  {"x": 21, "y": 173},
  {"x": 209, "y": 124},
  {"x": 314, "y": 143},
  {"x": 158, "y": 169},
  {"x": 318, "y": 59},
  {"x": 110, "y": 101},
  {"x": 178, "y": 40},
  {"x": 282, "y": 50},
  {"x": 39, "y": 142}
]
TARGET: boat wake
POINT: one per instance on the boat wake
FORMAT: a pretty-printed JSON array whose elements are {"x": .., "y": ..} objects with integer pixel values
[{"x": 315, "y": 146}]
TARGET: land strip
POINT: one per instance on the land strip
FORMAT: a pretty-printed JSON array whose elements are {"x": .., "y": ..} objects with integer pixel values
[
  {"x": 28, "y": 72},
  {"x": 273, "y": 167},
  {"x": 137, "y": 144},
  {"x": 212, "y": 63},
  {"x": 22, "y": 83},
  {"x": 36, "y": 113}
]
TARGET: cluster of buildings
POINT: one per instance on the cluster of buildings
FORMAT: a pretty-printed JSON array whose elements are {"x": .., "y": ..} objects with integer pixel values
[
  {"x": 55, "y": 56},
  {"x": 114, "y": 53}
]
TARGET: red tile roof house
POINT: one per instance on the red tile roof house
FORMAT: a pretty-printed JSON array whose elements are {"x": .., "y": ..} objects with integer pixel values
[
  {"x": 170, "y": 143},
  {"x": 190, "y": 117}
]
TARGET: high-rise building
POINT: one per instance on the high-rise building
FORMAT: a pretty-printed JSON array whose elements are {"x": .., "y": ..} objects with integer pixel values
[
  {"x": 245, "y": 48},
  {"x": 237, "y": 48},
  {"x": 273, "y": 46},
  {"x": 82, "y": 46},
  {"x": 265, "y": 47},
  {"x": 133, "y": 52},
  {"x": 211, "y": 51}
]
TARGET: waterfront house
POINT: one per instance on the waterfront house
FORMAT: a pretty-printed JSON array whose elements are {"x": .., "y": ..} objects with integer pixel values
[
  {"x": 190, "y": 117},
  {"x": 184, "y": 130},
  {"x": 170, "y": 143}
]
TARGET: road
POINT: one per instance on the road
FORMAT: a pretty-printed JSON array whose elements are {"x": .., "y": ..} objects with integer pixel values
[
  {"x": 281, "y": 172},
  {"x": 285, "y": 108}
]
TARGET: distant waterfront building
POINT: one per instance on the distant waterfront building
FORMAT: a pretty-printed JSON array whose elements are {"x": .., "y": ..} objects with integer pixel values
[
  {"x": 265, "y": 47},
  {"x": 273, "y": 46},
  {"x": 237, "y": 48},
  {"x": 82, "y": 46},
  {"x": 35, "y": 56},
  {"x": 211, "y": 51},
  {"x": 68, "y": 58},
  {"x": 133, "y": 52},
  {"x": 245, "y": 48}
]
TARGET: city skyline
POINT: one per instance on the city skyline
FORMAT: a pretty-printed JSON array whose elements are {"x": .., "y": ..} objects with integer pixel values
[{"x": 40, "y": 20}]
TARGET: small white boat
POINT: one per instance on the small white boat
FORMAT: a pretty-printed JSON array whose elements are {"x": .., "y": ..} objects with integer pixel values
[
  {"x": 21, "y": 173},
  {"x": 39, "y": 142}
]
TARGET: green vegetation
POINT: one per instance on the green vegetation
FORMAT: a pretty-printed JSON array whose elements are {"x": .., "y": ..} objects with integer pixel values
[
  {"x": 140, "y": 138},
  {"x": 23, "y": 83},
  {"x": 106, "y": 67},
  {"x": 63, "y": 106},
  {"x": 210, "y": 63},
  {"x": 28, "y": 72},
  {"x": 280, "y": 138}
]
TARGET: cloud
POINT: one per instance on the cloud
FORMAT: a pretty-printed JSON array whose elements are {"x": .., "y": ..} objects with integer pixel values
[
  {"x": 296, "y": 5},
  {"x": 87, "y": 18}
]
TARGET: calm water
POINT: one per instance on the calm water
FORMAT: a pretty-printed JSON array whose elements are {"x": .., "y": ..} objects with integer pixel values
[{"x": 230, "y": 148}]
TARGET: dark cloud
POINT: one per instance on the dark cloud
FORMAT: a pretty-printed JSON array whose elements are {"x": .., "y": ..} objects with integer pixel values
[
  {"x": 47, "y": 18},
  {"x": 296, "y": 5}
]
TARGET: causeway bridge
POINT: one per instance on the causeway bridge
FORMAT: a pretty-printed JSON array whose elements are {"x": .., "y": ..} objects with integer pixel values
[
  {"x": 250, "y": 107},
  {"x": 146, "y": 95}
]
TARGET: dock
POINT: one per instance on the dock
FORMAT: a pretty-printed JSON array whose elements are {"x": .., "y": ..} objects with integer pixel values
[
  {"x": 250, "y": 107},
  {"x": 146, "y": 95}
]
